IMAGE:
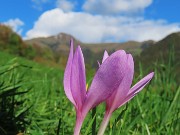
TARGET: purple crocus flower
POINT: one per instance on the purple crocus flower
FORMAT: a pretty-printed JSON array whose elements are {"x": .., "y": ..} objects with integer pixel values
[
  {"x": 123, "y": 93},
  {"x": 106, "y": 81}
]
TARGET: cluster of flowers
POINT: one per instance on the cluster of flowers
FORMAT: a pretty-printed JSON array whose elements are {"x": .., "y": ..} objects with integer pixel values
[{"x": 111, "y": 84}]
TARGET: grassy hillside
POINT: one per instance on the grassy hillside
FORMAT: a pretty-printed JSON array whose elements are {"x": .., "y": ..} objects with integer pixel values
[
  {"x": 12, "y": 43},
  {"x": 160, "y": 50},
  {"x": 33, "y": 102},
  {"x": 33, "y": 107},
  {"x": 166, "y": 51}
]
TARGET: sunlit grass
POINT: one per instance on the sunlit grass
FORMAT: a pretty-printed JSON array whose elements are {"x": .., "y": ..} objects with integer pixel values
[{"x": 154, "y": 111}]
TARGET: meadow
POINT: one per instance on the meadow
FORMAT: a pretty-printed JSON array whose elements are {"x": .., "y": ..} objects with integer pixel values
[{"x": 32, "y": 101}]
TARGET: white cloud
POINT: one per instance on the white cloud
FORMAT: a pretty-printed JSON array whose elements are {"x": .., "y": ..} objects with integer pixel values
[
  {"x": 115, "y": 6},
  {"x": 98, "y": 28},
  {"x": 15, "y": 24},
  {"x": 65, "y": 5},
  {"x": 38, "y": 4}
]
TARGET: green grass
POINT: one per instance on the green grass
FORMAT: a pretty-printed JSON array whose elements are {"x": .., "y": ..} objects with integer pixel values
[{"x": 155, "y": 111}]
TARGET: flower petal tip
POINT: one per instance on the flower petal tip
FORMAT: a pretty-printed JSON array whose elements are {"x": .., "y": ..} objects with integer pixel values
[{"x": 151, "y": 75}]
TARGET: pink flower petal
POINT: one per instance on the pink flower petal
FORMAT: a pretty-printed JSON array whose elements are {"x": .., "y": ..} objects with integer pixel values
[
  {"x": 98, "y": 63},
  {"x": 67, "y": 75},
  {"x": 141, "y": 84},
  {"x": 116, "y": 99},
  {"x": 107, "y": 79},
  {"x": 138, "y": 87},
  {"x": 105, "y": 56},
  {"x": 78, "y": 78}
]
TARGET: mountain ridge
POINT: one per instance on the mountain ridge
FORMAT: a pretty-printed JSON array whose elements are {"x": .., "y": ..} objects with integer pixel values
[
  {"x": 60, "y": 43},
  {"x": 55, "y": 49}
]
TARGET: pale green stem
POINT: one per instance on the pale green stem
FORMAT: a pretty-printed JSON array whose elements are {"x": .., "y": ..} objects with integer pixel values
[
  {"x": 104, "y": 123},
  {"x": 79, "y": 122}
]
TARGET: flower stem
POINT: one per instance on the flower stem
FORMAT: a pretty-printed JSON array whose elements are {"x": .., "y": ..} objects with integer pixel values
[
  {"x": 94, "y": 122},
  {"x": 79, "y": 121},
  {"x": 104, "y": 123}
]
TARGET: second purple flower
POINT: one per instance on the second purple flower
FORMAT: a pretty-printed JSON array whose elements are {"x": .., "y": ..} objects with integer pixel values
[{"x": 106, "y": 80}]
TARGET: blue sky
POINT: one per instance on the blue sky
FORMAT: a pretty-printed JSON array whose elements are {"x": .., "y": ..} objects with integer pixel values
[{"x": 93, "y": 20}]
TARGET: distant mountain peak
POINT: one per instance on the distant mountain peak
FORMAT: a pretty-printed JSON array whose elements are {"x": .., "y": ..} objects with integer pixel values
[{"x": 63, "y": 36}]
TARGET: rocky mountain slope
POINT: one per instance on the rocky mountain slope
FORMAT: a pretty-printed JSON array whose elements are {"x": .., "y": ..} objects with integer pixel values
[{"x": 59, "y": 44}]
